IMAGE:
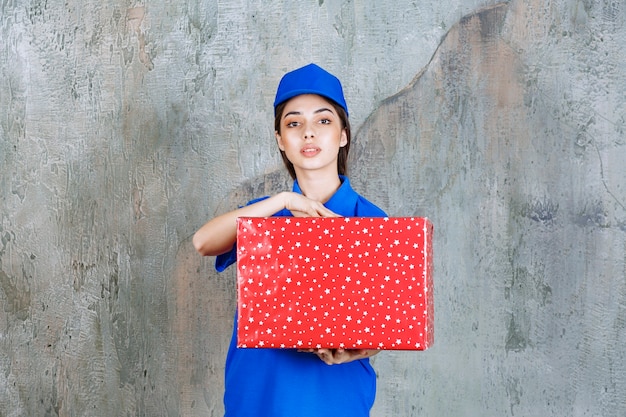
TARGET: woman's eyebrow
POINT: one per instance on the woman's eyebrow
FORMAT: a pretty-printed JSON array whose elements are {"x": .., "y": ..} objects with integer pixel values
[
  {"x": 323, "y": 109},
  {"x": 292, "y": 113},
  {"x": 298, "y": 113}
]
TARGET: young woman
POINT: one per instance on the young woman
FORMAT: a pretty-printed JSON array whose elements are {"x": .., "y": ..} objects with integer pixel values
[{"x": 313, "y": 134}]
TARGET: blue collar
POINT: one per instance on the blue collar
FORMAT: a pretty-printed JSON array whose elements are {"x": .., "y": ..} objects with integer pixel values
[{"x": 344, "y": 199}]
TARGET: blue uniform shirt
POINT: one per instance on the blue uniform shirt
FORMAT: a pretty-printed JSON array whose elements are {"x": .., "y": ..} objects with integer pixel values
[{"x": 288, "y": 383}]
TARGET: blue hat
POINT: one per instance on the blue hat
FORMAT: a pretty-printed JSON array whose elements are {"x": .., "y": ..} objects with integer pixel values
[{"x": 310, "y": 79}]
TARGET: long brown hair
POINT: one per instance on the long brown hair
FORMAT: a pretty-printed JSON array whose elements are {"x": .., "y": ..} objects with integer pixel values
[{"x": 342, "y": 157}]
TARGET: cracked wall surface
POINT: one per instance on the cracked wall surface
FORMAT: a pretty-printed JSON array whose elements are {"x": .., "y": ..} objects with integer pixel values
[{"x": 125, "y": 126}]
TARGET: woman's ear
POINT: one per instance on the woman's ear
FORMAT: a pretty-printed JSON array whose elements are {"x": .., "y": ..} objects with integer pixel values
[
  {"x": 279, "y": 141},
  {"x": 344, "y": 138}
]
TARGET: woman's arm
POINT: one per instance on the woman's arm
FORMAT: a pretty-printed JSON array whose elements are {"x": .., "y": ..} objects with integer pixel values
[{"x": 218, "y": 235}]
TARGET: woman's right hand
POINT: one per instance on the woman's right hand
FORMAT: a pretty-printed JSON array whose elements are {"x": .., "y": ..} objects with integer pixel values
[
  {"x": 218, "y": 235},
  {"x": 302, "y": 206}
]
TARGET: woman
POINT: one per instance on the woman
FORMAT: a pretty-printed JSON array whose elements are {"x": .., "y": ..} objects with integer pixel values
[{"x": 313, "y": 134}]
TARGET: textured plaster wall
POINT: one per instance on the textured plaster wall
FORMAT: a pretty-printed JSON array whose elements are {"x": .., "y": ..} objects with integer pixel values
[{"x": 124, "y": 126}]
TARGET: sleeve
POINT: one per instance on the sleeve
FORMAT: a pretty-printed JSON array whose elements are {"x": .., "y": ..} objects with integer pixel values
[
  {"x": 365, "y": 208},
  {"x": 226, "y": 259}
]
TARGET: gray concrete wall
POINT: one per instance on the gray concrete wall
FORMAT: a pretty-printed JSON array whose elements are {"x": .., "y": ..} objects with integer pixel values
[{"x": 124, "y": 126}]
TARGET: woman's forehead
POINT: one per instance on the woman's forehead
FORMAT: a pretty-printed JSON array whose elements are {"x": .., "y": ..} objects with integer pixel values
[{"x": 308, "y": 102}]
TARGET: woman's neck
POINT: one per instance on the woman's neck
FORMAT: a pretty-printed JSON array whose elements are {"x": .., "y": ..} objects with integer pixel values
[{"x": 319, "y": 188}]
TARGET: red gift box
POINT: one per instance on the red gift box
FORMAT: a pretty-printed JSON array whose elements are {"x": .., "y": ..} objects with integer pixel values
[{"x": 343, "y": 282}]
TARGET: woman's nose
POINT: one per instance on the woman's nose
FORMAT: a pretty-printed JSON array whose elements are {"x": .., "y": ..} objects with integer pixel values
[{"x": 309, "y": 132}]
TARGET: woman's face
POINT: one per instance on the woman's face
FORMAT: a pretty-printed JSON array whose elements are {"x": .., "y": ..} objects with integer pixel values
[{"x": 311, "y": 134}]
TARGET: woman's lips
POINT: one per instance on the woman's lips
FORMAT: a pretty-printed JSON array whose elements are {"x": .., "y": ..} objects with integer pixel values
[{"x": 310, "y": 151}]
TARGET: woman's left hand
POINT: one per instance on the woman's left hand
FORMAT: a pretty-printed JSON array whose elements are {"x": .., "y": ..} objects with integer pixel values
[{"x": 338, "y": 356}]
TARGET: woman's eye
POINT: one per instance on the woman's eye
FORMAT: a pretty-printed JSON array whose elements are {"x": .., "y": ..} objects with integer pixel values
[
  {"x": 292, "y": 124},
  {"x": 325, "y": 121}
]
